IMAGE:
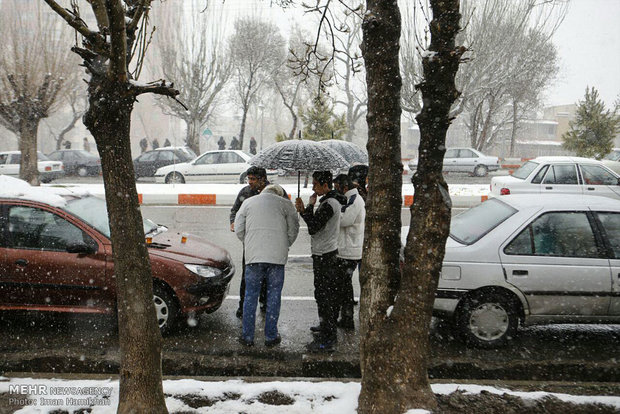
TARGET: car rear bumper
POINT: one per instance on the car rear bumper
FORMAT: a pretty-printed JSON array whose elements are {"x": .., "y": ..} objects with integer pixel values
[{"x": 51, "y": 175}]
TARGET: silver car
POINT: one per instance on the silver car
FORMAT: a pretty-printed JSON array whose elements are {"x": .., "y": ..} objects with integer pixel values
[
  {"x": 530, "y": 259},
  {"x": 466, "y": 160}
]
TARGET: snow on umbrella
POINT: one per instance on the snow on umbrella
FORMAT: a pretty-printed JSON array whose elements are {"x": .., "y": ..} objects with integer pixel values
[
  {"x": 349, "y": 151},
  {"x": 299, "y": 155}
]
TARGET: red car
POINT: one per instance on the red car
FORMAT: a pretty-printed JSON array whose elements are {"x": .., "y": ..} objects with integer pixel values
[{"x": 56, "y": 255}]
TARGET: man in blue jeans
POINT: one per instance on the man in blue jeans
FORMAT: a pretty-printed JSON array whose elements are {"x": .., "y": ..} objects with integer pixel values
[{"x": 267, "y": 224}]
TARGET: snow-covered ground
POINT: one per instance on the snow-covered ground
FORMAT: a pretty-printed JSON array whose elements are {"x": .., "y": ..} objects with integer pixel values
[{"x": 234, "y": 396}]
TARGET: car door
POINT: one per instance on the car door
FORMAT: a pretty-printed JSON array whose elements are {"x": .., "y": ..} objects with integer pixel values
[
  {"x": 205, "y": 168},
  {"x": 165, "y": 157},
  {"x": 561, "y": 179},
  {"x": 559, "y": 264},
  {"x": 450, "y": 160},
  {"x": 610, "y": 223},
  {"x": 597, "y": 180},
  {"x": 4, "y": 170},
  {"x": 12, "y": 165},
  {"x": 467, "y": 161},
  {"x": 232, "y": 165},
  {"x": 145, "y": 164},
  {"x": 43, "y": 272}
]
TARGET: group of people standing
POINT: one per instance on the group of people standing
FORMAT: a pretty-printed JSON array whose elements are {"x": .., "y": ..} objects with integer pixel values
[
  {"x": 235, "y": 145},
  {"x": 262, "y": 212}
]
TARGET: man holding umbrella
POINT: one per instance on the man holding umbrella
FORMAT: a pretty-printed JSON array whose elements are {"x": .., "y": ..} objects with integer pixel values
[{"x": 324, "y": 227}]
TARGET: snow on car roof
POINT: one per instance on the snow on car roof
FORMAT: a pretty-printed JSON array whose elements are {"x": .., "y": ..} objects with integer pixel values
[
  {"x": 560, "y": 201},
  {"x": 15, "y": 188},
  {"x": 565, "y": 159}
]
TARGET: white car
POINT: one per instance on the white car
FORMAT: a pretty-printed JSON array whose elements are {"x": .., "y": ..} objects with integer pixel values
[
  {"x": 49, "y": 170},
  {"x": 557, "y": 175},
  {"x": 612, "y": 160},
  {"x": 530, "y": 259},
  {"x": 467, "y": 160},
  {"x": 223, "y": 166}
]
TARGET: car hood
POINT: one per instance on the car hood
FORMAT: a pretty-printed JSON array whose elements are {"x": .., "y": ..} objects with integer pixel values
[{"x": 194, "y": 250}]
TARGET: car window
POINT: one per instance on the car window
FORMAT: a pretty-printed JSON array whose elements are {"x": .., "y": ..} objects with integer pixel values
[
  {"x": 211, "y": 158},
  {"x": 540, "y": 175},
  {"x": 561, "y": 174},
  {"x": 15, "y": 159},
  {"x": 597, "y": 175},
  {"x": 33, "y": 228},
  {"x": 3, "y": 158},
  {"x": 230, "y": 158},
  {"x": 167, "y": 156},
  {"x": 55, "y": 156},
  {"x": 613, "y": 156},
  {"x": 525, "y": 170},
  {"x": 470, "y": 226},
  {"x": 451, "y": 153},
  {"x": 563, "y": 234},
  {"x": 148, "y": 156},
  {"x": 465, "y": 153},
  {"x": 611, "y": 225}
]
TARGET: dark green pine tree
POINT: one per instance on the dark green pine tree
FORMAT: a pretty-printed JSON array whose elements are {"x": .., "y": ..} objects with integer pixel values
[
  {"x": 593, "y": 131},
  {"x": 321, "y": 123}
]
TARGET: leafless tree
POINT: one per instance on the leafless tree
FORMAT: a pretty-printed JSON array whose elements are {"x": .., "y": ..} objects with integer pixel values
[
  {"x": 77, "y": 100},
  {"x": 121, "y": 36},
  {"x": 34, "y": 69},
  {"x": 257, "y": 49},
  {"x": 196, "y": 59}
]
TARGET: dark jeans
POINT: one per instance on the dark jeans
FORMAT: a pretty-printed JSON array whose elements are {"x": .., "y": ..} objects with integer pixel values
[
  {"x": 262, "y": 298},
  {"x": 348, "y": 301},
  {"x": 328, "y": 292}
]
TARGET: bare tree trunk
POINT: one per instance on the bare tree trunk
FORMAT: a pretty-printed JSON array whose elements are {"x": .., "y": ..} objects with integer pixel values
[
  {"x": 28, "y": 169},
  {"x": 291, "y": 134},
  {"x": 386, "y": 387},
  {"x": 192, "y": 137},
  {"x": 515, "y": 124},
  {"x": 108, "y": 119},
  {"x": 242, "y": 128}
]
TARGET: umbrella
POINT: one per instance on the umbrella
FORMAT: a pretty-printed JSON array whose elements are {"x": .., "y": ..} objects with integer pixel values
[
  {"x": 349, "y": 151},
  {"x": 298, "y": 155}
]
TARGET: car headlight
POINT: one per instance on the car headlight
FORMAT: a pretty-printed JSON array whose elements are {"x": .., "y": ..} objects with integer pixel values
[{"x": 203, "y": 271}]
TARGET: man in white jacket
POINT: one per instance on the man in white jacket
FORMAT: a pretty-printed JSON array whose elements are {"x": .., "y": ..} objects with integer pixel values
[
  {"x": 350, "y": 243},
  {"x": 267, "y": 224}
]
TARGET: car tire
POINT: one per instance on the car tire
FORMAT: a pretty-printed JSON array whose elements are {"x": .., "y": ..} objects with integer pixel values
[
  {"x": 481, "y": 171},
  {"x": 166, "y": 309},
  {"x": 487, "y": 320},
  {"x": 175, "y": 178},
  {"x": 82, "y": 171},
  {"x": 243, "y": 178}
]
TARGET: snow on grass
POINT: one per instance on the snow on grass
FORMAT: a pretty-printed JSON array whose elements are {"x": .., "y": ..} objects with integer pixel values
[{"x": 234, "y": 396}]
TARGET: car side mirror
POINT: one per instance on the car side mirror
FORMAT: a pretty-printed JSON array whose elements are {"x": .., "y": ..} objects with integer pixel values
[{"x": 80, "y": 247}]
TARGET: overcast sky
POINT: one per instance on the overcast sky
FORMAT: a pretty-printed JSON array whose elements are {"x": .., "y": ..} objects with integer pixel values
[{"x": 588, "y": 43}]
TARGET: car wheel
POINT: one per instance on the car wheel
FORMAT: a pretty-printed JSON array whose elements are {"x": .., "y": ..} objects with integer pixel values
[
  {"x": 166, "y": 309},
  {"x": 481, "y": 171},
  {"x": 82, "y": 171},
  {"x": 488, "y": 320},
  {"x": 243, "y": 178},
  {"x": 175, "y": 178}
]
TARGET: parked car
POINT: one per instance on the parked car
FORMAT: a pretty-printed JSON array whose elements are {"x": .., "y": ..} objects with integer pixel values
[
  {"x": 558, "y": 175},
  {"x": 612, "y": 160},
  {"x": 227, "y": 166},
  {"x": 467, "y": 160},
  {"x": 48, "y": 170},
  {"x": 77, "y": 162},
  {"x": 56, "y": 256},
  {"x": 149, "y": 162},
  {"x": 530, "y": 259}
]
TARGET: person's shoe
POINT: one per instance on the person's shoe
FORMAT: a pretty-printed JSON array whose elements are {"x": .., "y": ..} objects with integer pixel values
[
  {"x": 346, "y": 324},
  {"x": 319, "y": 347},
  {"x": 317, "y": 328},
  {"x": 244, "y": 342},
  {"x": 273, "y": 342},
  {"x": 239, "y": 313}
]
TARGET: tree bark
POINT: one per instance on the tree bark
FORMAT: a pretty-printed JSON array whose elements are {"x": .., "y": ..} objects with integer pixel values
[
  {"x": 386, "y": 386},
  {"x": 108, "y": 119},
  {"x": 192, "y": 139},
  {"x": 28, "y": 168},
  {"x": 515, "y": 124}
]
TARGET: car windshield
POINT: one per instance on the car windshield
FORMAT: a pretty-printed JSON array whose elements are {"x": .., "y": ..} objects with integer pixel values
[
  {"x": 42, "y": 157},
  {"x": 525, "y": 170},
  {"x": 469, "y": 226},
  {"x": 93, "y": 211},
  {"x": 188, "y": 151},
  {"x": 613, "y": 156}
]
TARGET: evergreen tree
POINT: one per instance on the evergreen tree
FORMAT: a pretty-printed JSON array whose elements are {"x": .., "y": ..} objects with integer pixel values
[
  {"x": 321, "y": 123},
  {"x": 593, "y": 131}
]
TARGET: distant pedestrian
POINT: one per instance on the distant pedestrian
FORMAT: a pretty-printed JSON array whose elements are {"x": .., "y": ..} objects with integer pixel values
[
  {"x": 144, "y": 144},
  {"x": 234, "y": 144},
  {"x": 350, "y": 243},
  {"x": 86, "y": 144},
  {"x": 252, "y": 146},
  {"x": 267, "y": 225},
  {"x": 167, "y": 143},
  {"x": 155, "y": 144},
  {"x": 324, "y": 226},
  {"x": 221, "y": 143},
  {"x": 67, "y": 144}
]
